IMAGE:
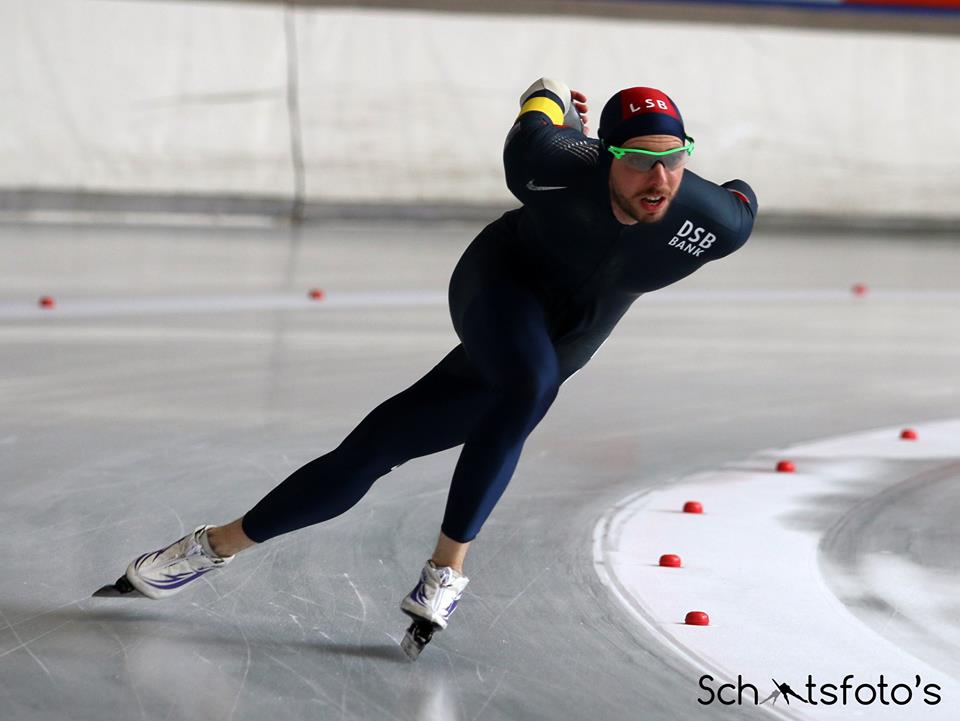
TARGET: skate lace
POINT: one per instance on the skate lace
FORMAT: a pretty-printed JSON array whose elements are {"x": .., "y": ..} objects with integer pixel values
[{"x": 192, "y": 555}]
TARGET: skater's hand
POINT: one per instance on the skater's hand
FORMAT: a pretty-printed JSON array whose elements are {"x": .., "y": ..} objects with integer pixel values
[{"x": 580, "y": 105}]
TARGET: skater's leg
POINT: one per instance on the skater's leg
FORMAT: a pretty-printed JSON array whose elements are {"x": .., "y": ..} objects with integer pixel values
[
  {"x": 504, "y": 332},
  {"x": 435, "y": 413},
  {"x": 505, "y": 336}
]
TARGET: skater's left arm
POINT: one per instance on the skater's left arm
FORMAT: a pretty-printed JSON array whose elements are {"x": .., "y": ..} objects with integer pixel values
[
  {"x": 743, "y": 209},
  {"x": 730, "y": 209}
]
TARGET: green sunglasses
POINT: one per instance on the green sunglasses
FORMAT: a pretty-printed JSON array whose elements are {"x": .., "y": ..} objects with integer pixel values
[{"x": 643, "y": 160}]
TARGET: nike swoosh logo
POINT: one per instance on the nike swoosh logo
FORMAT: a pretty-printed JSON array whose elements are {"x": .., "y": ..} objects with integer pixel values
[{"x": 531, "y": 186}]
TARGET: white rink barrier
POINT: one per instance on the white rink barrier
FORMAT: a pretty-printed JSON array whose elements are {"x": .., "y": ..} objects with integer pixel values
[{"x": 412, "y": 106}]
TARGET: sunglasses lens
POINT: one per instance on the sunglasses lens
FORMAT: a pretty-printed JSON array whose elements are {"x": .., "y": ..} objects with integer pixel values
[
  {"x": 643, "y": 163},
  {"x": 639, "y": 162},
  {"x": 675, "y": 160}
]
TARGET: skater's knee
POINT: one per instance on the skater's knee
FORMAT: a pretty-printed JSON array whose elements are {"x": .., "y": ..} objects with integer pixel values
[
  {"x": 533, "y": 386},
  {"x": 369, "y": 448},
  {"x": 364, "y": 459}
]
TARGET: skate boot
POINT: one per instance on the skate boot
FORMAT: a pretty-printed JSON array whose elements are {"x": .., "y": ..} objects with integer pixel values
[
  {"x": 430, "y": 604},
  {"x": 168, "y": 570}
]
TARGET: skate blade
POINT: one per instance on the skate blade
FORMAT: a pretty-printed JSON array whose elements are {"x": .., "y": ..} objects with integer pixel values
[
  {"x": 418, "y": 635},
  {"x": 121, "y": 589},
  {"x": 410, "y": 648}
]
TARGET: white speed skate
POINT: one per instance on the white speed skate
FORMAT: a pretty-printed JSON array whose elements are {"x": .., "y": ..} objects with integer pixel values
[
  {"x": 169, "y": 570},
  {"x": 430, "y": 605}
]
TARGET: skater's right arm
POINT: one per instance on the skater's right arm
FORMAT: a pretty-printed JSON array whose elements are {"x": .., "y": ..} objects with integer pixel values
[{"x": 546, "y": 147}]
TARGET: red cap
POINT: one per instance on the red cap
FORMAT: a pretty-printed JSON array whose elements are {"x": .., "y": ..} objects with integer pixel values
[{"x": 639, "y": 111}]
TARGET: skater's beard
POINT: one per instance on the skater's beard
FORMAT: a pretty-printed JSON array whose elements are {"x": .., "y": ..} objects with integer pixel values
[{"x": 633, "y": 207}]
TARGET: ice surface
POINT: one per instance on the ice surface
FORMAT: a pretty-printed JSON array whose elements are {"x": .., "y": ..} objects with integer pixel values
[{"x": 123, "y": 427}]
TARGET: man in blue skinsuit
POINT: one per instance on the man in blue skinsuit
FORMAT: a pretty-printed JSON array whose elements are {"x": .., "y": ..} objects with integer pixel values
[{"x": 532, "y": 298}]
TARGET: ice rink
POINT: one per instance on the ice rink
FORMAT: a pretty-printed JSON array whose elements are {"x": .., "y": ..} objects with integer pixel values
[{"x": 184, "y": 372}]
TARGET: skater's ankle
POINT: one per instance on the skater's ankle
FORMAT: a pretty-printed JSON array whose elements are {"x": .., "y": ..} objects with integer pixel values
[
  {"x": 450, "y": 553},
  {"x": 228, "y": 540},
  {"x": 446, "y": 563}
]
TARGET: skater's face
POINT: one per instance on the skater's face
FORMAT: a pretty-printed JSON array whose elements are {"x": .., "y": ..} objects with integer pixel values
[{"x": 643, "y": 196}]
